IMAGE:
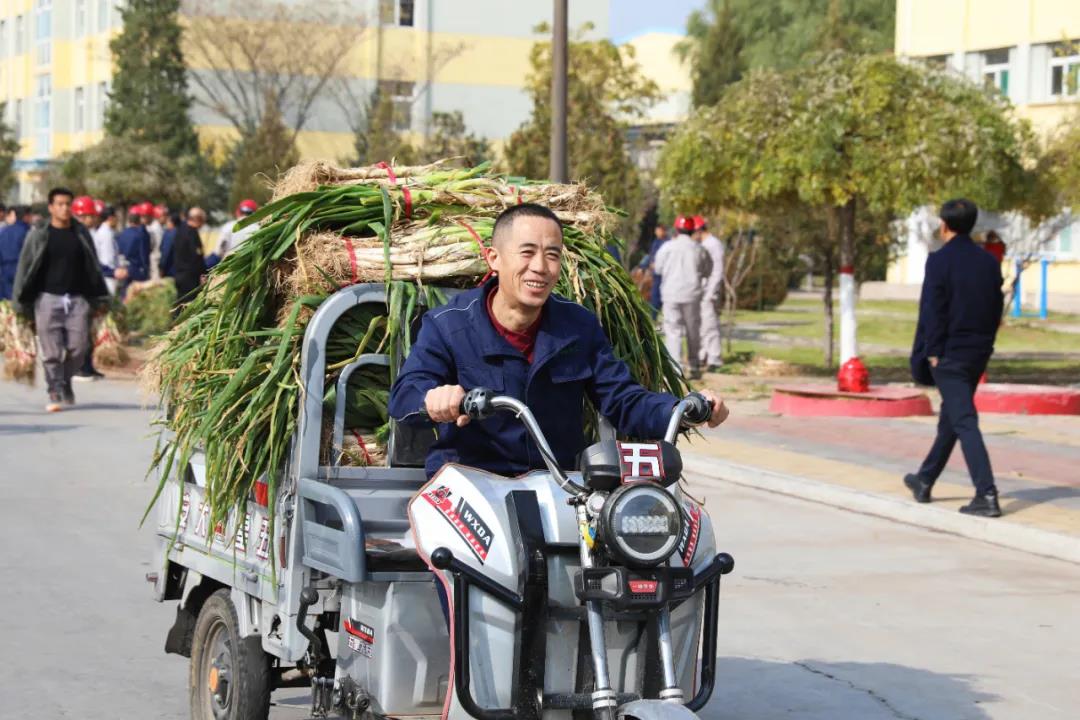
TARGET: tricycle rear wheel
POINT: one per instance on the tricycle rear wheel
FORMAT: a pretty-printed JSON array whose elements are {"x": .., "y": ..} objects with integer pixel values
[{"x": 230, "y": 676}]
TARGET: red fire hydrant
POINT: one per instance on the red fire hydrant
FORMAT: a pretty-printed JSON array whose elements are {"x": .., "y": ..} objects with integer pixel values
[{"x": 853, "y": 377}]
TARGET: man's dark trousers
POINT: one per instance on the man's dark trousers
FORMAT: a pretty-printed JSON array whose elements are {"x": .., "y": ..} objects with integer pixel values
[{"x": 958, "y": 419}]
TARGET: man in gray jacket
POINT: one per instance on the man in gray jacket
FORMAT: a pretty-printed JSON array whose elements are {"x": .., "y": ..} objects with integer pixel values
[
  {"x": 682, "y": 265},
  {"x": 58, "y": 283}
]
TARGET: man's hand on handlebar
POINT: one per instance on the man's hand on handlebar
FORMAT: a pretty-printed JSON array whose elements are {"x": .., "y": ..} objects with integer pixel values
[
  {"x": 719, "y": 409},
  {"x": 443, "y": 404}
]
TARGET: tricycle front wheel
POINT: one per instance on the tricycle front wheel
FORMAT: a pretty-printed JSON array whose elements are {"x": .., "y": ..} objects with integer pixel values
[{"x": 230, "y": 676}]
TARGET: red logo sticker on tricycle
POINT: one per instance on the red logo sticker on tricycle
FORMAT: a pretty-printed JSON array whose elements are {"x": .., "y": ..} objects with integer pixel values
[{"x": 640, "y": 460}]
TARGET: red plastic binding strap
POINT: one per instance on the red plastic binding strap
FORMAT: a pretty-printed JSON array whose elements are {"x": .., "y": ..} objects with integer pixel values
[
  {"x": 408, "y": 201},
  {"x": 476, "y": 237},
  {"x": 363, "y": 447},
  {"x": 389, "y": 171},
  {"x": 352, "y": 259},
  {"x": 517, "y": 193}
]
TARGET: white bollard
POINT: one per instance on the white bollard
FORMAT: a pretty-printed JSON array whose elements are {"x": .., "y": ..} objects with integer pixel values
[{"x": 848, "y": 348}]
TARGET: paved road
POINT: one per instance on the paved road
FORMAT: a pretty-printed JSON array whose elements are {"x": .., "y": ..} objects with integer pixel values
[{"x": 829, "y": 615}]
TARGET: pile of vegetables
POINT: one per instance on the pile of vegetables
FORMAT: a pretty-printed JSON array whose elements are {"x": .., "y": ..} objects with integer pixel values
[
  {"x": 229, "y": 370},
  {"x": 18, "y": 345},
  {"x": 148, "y": 307}
]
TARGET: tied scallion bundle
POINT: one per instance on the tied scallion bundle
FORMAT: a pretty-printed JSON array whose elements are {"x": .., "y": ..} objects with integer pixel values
[{"x": 229, "y": 371}]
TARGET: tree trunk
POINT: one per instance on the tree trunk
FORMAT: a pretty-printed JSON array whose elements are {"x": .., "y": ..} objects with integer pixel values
[
  {"x": 827, "y": 274},
  {"x": 845, "y": 220}
]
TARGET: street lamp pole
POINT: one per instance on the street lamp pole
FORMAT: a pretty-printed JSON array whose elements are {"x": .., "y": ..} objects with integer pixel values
[{"x": 559, "y": 172}]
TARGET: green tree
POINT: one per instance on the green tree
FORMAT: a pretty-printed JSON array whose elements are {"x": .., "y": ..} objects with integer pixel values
[
  {"x": 450, "y": 139},
  {"x": 9, "y": 148},
  {"x": 124, "y": 170},
  {"x": 606, "y": 91},
  {"x": 261, "y": 157},
  {"x": 848, "y": 134},
  {"x": 377, "y": 138},
  {"x": 149, "y": 100},
  {"x": 713, "y": 47},
  {"x": 727, "y": 38}
]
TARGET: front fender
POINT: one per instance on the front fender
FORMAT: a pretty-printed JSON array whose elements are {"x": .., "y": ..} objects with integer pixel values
[{"x": 654, "y": 710}]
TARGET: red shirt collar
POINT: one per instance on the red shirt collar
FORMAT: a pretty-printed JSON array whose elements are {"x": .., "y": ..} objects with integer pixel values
[{"x": 524, "y": 342}]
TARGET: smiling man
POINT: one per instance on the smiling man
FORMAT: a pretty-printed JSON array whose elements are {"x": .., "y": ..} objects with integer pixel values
[{"x": 514, "y": 336}]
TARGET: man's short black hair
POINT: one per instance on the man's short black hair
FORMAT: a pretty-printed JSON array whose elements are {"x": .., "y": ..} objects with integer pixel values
[
  {"x": 60, "y": 191},
  {"x": 959, "y": 215},
  {"x": 20, "y": 211},
  {"x": 505, "y": 221}
]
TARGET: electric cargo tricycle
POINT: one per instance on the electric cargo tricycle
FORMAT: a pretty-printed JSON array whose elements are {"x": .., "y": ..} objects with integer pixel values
[{"x": 550, "y": 595}]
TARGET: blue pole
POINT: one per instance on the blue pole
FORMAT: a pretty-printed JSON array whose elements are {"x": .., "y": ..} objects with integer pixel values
[
  {"x": 1042, "y": 290},
  {"x": 1016, "y": 292}
]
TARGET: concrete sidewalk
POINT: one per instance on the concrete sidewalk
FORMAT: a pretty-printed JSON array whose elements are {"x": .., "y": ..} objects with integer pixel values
[{"x": 858, "y": 463}]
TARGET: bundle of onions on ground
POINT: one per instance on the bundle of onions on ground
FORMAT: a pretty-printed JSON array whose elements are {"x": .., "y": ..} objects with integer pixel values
[
  {"x": 229, "y": 370},
  {"x": 18, "y": 345},
  {"x": 108, "y": 343}
]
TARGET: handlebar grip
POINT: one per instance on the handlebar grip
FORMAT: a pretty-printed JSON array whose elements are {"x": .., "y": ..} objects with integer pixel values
[
  {"x": 699, "y": 409},
  {"x": 477, "y": 404}
]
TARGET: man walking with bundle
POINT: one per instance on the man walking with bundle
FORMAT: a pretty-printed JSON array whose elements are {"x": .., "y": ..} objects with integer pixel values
[
  {"x": 959, "y": 315},
  {"x": 682, "y": 264},
  {"x": 59, "y": 280}
]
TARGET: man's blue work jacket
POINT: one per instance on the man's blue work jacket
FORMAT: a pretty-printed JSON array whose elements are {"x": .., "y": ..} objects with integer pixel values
[
  {"x": 11, "y": 243},
  {"x": 572, "y": 360},
  {"x": 134, "y": 244}
]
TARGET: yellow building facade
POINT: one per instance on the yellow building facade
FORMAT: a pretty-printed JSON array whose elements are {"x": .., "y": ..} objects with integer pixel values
[
  {"x": 1029, "y": 50},
  {"x": 432, "y": 56}
]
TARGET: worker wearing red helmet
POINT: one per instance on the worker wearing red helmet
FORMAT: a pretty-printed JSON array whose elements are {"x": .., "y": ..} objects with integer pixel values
[
  {"x": 712, "y": 356},
  {"x": 134, "y": 244},
  {"x": 682, "y": 264},
  {"x": 231, "y": 236}
]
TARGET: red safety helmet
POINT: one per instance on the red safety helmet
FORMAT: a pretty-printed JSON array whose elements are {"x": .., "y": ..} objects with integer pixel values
[
  {"x": 83, "y": 205},
  {"x": 699, "y": 223},
  {"x": 246, "y": 207},
  {"x": 99, "y": 207},
  {"x": 160, "y": 211},
  {"x": 684, "y": 223}
]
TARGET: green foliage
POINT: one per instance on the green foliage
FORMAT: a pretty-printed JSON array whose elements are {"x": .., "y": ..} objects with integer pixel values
[
  {"x": 1061, "y": 163},
  {"x": 606, "y": 89},
  {"x": 149, "y": 311},
  {"x": 149, "y": 100},
  {"x": 450, "y": 139},
  {"x": 730, "y": 37},
  {"x": 377, "y": 139},
  {"x": 9, "y": 148},
  {"x": 124, "y": 170},
  {"x": 261, "y": 157}
]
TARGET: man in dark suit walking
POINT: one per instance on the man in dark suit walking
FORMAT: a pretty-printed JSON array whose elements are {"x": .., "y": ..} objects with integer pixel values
[{"x": 959, "y": 315}]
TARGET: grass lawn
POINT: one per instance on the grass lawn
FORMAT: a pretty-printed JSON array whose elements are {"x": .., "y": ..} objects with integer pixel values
[{"x": 1029, "y": 350}]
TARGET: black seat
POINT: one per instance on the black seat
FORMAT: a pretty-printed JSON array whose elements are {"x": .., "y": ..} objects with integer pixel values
[{"x": 387, "y": 556}]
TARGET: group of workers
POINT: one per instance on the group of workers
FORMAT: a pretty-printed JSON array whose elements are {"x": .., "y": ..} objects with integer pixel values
[
  {"x": 687, "y": 283},
  {"x": 64, "y": 269}
]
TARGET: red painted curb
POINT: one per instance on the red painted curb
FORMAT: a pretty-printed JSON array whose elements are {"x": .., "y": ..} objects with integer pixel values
[
  {"x": 1027, "y": 399},
  {"x": 827, "y": 401}
]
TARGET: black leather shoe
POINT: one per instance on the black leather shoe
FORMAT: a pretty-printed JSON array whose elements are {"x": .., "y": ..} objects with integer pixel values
[
  {"x": 919, "y": 488},
  {"x": 983, "y": 506}
]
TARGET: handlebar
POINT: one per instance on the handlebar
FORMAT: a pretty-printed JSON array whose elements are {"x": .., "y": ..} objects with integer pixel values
[{"x": 693, "y": 409}]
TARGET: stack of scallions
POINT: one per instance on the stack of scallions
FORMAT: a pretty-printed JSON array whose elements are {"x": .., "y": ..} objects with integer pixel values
[{"x": 229, "y": 371}]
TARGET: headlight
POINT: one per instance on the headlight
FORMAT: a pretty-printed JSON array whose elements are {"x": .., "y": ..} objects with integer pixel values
[{"x": 641, "y": 525}]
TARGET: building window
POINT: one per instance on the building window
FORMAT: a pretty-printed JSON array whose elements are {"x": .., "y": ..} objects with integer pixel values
[
  {"x": 80, "y": 109},
  {"x": 397, "y": 12},
  {"x": 43, "y": 114},
  {"x": 3, "y": 38},
  {"x": 43, "y": 31},
  {"x": 80, "y": 18},
  {"x": 103, "y": 102},
  {"x": 996, "y": 70},
  {"x": 1065, "y": 240},
  {"x": 1065, "y": 75},
  {"x": 103, "y": 15},
  {"x": 401, "y": 97},
  {"x": 20, "y": 36}
]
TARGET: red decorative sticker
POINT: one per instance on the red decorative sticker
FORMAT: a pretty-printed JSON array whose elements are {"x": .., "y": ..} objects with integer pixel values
[
  {"x": 640, "y": 460},
  {"x": 469, "y": 525},
  {"x": 643, "y": 587},
  {"x": 691, "y": 530}
]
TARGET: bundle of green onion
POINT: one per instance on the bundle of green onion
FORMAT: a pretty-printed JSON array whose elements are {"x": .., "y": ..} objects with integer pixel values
[{"x": 229, "y": 371}]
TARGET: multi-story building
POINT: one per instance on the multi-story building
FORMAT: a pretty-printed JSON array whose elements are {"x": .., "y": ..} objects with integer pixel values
[
  {"x": 430, "y": 55},
  {"x": 1029, "y": 50}
]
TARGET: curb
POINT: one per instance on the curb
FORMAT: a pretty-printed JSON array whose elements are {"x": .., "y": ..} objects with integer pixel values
[{"x": 1006, "y": 534}]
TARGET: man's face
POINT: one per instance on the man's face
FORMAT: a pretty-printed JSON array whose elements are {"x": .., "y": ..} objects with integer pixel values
[
  {"x": 88, "y": 220},
  {"x": 60, "y": 208},
  {"x": 661, "y": 232},
  {"x": 527, "y": 260},
  {"x": 10, "y": 217}
]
